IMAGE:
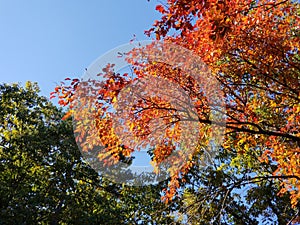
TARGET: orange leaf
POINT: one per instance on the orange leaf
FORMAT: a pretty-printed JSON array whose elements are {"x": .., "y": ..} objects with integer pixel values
[{"x": 160, "y": 8}]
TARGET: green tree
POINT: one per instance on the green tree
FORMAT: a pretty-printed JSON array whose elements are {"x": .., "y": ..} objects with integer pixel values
[{"x": 43, "y": 179}]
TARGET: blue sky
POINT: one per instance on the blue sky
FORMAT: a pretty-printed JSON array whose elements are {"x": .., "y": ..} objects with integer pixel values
[{"x": 49, "y": 40}]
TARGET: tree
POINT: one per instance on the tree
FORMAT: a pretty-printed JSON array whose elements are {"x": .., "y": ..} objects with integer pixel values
[
  {"x": 230, "y": 192},
  {"x": 251, "y": 47},
  {"x": 44, "y": 179}
]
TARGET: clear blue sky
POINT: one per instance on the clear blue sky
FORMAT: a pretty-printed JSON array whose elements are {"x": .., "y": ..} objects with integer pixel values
[{"x": 49, "y": 40}]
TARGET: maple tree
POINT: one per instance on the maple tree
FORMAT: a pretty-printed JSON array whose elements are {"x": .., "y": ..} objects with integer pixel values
[{"x": 251, "y": 48}]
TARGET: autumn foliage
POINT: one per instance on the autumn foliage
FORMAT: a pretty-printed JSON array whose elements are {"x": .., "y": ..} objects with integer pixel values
[{"x": 251, "y": 48}]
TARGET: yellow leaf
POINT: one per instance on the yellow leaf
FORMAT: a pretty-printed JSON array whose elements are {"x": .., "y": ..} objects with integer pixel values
[{"x": 131, "y": 126}]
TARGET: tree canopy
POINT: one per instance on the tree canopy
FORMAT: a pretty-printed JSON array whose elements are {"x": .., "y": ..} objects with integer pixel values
[
  {"x": 251, "y": 49},
  {"x": 43, "y": 178}
]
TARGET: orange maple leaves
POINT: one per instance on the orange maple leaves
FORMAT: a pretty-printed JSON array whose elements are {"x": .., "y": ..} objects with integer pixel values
[{"x": 252, "y": 48}]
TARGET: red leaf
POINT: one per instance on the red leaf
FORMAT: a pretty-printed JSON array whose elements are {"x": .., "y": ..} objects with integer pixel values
[
  {"x": 67, "y": 115},
  {"x": 61, "y": 102},
  {"x": 160, "y": 9}
]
